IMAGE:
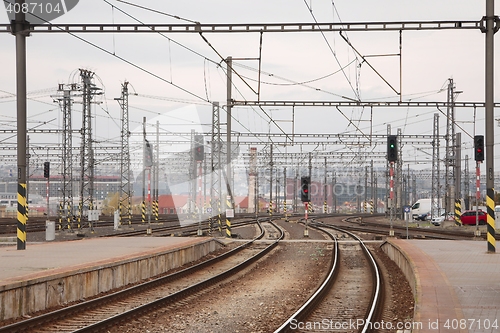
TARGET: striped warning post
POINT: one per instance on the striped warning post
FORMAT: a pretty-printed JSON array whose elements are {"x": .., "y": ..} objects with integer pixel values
[
  {"x": 371, "y": 209},
  {"x": 68, "y": 216},
  {"x": 79, "y": 219},
  {"x": 21, "y": 216},
  {"x": 219, "y": 218},
  {"x": 143, "y": 211},
  {"x": 325, "y": 207},
  {"x": 60, "y": 214},
  {"x": 120, "y": 212},
  {"x": 458, "y": 211},
  {"x": 284, "y": 210},
  {"x": 129, "y": 212},
  {"x": 210, "y": 219},
  {"x": 270, "y": 208},
  {"x": 490, "y": 206},
  {"x": 228, "y": 221},
  {"x": 157, "y": 209}
]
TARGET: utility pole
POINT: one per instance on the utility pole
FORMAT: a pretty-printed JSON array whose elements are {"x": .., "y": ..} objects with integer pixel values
[
  {"x": 399, "y": 176},
  {"x": 325, "y": 186},
  {"x": 450, "y": 148},
  {"x": 143, "y": 204},
  {"x": 490, "y": 31},
  {"x": 435, "y": 181},
  {"x": 216, "y": 166},
  {"x": 252, "y": 180},
  {"x": 466, "y": 192},
  {"x": 89, "y": 90},
  {"x": 365, "y": 199},
  {"x": 157, "y": 172},
  {"x": 229, "y": 107},
  {"x": 65, "y": 103},
  {"x": 271, "y": 182},
  {"x": 458, "y": 178},
  {"x": 125, "y": 198},
  {"x": 284, "y": 194}
]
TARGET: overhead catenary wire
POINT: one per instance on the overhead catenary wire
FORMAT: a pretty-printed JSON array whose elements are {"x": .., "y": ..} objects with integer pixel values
[{"x": 356, "y": 93}]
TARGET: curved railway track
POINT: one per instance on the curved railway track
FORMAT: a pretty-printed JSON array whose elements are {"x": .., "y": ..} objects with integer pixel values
[
  {"x": 98, "y": 314},
  {"x": 348, "y": 300}
]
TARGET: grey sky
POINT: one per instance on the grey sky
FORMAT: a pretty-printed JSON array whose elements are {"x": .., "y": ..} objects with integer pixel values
[{"x": 429, "y": 59}]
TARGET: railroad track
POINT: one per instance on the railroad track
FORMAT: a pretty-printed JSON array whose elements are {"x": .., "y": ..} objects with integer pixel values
[
  {"x": 98, "y": 314},
  {"x": 364, "y": 224},
  {"x": 348, "y": 300}
]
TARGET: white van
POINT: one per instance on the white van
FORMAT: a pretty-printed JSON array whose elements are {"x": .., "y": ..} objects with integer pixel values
[
  {"x": 497, "y": 212},
  {"x": 420, "y": 207}
]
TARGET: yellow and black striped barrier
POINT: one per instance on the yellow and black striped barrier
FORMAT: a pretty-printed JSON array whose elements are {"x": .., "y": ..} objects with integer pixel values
[
  {"x": 60, "y": 215},
  {"x": 270, "y": 208},
  {"x": 490, "y": 206},
  {"x": 79, "y": 219},
  {"x": 371, "y": 209},
  {"x": 120, "y": 213},
  {"x": 21, "y": 217},
  {"x": 325, "y": 207},
  {"x": 228, "y": 221},
  {"x": 69, "y": 217},
  {"x": 143, "y": 211},
  {"x": 284, "y": 211},
  {"x": 219, "y": 218},
  {"x": 458, "y": 211},
  {"x": 129, "y": 213}
]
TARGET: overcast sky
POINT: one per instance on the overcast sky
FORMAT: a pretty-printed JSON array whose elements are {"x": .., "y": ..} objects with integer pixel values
[{"x": 429, "y": 59}]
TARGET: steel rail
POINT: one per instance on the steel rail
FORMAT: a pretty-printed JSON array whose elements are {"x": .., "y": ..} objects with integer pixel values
[
  {"x": 78, "y": 308},
  {"x": 377, "y": 278},
  {"x": 184, "y": 292},
  {"x": 314, "y": 299},
  {"x": 311, "y": 302}
]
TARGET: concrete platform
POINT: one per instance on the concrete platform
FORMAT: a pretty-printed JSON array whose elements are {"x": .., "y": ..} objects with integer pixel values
[
  {"x": 456, "y": 284},
  {"x": 55, "y": 273}
]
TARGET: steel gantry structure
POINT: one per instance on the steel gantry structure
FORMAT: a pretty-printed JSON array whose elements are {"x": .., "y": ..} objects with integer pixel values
[
  {"x": 66, "y": 212},
  {"x": 125, "y": 197},
  {"x": 19, "y": 27}
]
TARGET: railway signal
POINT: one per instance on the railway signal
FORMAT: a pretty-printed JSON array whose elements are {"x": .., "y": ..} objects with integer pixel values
[
  {"x": 199, "y": 151},
  {"x": 392, "y": 148},
  {"x": 46, "y": 169},
  {"x": 479, "y": 148},
  {"x": 148, "y": 155},
  {"x": 305, "y": 195}
]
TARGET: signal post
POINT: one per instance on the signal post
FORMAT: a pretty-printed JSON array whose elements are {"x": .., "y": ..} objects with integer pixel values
[
  {"x": 305, "y": 197},
  {"x": 479, "y": 158},
  {"x": 199, "y": 156},
  {"x": 392, "y": 157}
]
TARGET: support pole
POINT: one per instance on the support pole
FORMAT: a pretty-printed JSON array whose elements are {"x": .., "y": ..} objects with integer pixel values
[
  {"x": 477, "y": 233},
  {"x": 391, "y": 196},
  {"x": 306, "y": 211},
  {"x": 18, "y": 30},
  {"x": 491, "y": 20}
]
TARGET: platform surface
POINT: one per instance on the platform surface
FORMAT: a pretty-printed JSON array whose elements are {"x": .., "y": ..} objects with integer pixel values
[
  {"x": 460, "y": 285},
  {"x": 49, "y": 258}
]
